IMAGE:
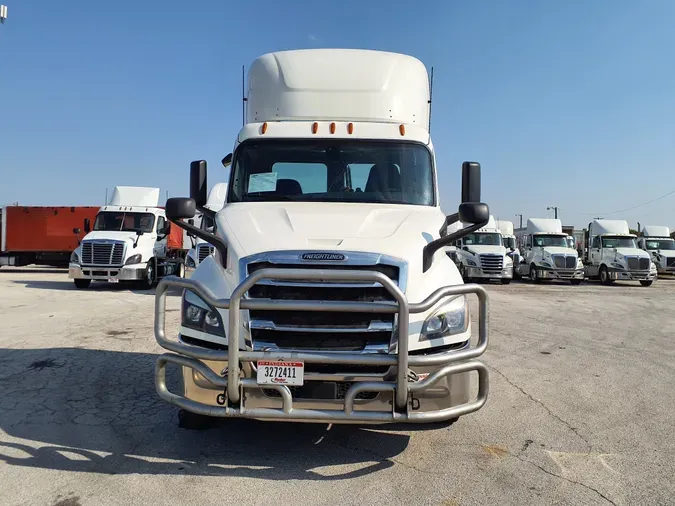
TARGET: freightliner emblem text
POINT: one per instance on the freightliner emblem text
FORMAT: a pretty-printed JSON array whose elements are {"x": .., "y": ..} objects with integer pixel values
[{"x": 323, "y": 257}]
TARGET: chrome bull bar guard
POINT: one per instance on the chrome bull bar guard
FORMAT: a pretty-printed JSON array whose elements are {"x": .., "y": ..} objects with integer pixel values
[{"x": 450, "y": 362}]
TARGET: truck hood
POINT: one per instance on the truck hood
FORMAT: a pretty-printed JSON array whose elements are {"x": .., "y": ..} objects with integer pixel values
[
  {"x": 668, "y": 253},
  {"x": 559, "y": 250},
  {"x": 265, "y": 226},
  {"x": 480, "y": 249},
  {"x": 632, "y": 252},
  {"x": 110, "y": 235}
]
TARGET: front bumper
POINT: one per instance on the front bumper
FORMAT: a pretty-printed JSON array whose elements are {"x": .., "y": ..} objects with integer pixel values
[
  {"x": 478, "y": 272},
  {"x": 547, "y": 273},
  {"x": 222, "y": 383},
  {"x": 133, "y": 272},
  {"x": 621, "y": 274},
  {"x": 665, "y": 270}
]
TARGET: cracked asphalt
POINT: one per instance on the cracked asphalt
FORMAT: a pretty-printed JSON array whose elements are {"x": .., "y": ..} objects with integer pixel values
[{"x": 580, "y": 411}]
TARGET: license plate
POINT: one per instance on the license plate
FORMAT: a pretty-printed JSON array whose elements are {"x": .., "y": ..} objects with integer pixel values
[
  {"x": 272, "y": 372},
  {"x": 113, "y": 280}
]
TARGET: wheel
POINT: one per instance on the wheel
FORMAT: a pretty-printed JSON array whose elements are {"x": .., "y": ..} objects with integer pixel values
[
  {"x": 576, "y": 281},
  {"x": 149, "y": 280},
  {"x": 82, "y": 283},
  {"x": 646, "y": 282},
  {"x": 506, "y": 281},
  {"x": 462, "y": 271},
  {"x": 181, "y": 270},
  {"x": 534, "y": 277},
  {"x": 604, "y": 275},
  {"x": 193, "y": 421}
]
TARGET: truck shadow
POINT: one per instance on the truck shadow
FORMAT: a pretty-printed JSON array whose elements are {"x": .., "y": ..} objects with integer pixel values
[
  {"x": 68, "y": 285},
  {"x": 71, "y": 409}
]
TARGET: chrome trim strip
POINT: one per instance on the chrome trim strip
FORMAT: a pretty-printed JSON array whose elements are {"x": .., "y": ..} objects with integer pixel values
[{"x": 374, "y": 326}]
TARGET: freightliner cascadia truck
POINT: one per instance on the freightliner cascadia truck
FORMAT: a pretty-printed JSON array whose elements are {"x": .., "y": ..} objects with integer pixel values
[{"x": 329, "y": 297}]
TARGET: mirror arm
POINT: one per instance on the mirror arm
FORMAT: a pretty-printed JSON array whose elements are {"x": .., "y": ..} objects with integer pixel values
[
  {"x": 207, "y": 212},
  {"x": 449, "y": 220},
  {"x": 216, "y": 241},
  {"x": 434, "y": 246}
]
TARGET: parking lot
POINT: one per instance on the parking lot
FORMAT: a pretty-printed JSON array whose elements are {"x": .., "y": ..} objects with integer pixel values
[{"x": 580, "y": 411}]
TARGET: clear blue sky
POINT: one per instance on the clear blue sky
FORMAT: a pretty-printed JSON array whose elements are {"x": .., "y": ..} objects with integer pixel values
[{"x": 563, "y": 103}]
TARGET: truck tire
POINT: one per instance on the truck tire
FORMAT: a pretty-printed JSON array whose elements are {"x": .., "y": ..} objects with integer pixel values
[
  {"x": 81, "y": 284},
  {"x": 534, "y": 277},
  {"x": 646, "y": 282},
  {"x": 506, "y": 281},
  {"x": 193, "y": 421},
  {"x": 604, "y": 275},
  {"x": 576, "y": 281},
  {"x": 181, "y": 270},
  {"x": 149, "y": 279}
]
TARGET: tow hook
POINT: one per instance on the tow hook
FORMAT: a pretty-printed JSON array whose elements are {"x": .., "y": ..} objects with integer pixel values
[{"x": 414, "y": 403}]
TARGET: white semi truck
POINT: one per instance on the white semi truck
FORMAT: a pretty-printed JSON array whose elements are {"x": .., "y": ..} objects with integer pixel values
[
  {"x": 546, "y": 253},
  {"x": 200, "y": 248},
  {"x": 656, "y": 241},
  {"x": 131, "y": 240},
  {"x": 612, "y": 253},
  {"x": 329, "y": 297},
  {"x": 509, "y": 240},
  {"x": 482, "y": 255}
]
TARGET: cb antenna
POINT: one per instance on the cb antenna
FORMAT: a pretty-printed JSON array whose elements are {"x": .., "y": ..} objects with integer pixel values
[
  {"x": 431, "y": 94},
  {"x": 243, "y": 96}
]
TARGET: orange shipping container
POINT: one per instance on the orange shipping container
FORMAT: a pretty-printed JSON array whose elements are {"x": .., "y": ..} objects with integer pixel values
[{"x": 43, "y": 229}]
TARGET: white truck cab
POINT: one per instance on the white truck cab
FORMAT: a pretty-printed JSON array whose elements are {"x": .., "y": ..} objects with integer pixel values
[
  {"x": 612, "y": 254},
  {"x": 509, "y": 240},
  {"x": 200, "y": 248},
  {"x": 547, "y": 254},
  {"x": 329, "y": 297},
  {"x": 130, "y": 241},
  {"x": 656, "y": 241},
  {"x": 482, "y": 255}
]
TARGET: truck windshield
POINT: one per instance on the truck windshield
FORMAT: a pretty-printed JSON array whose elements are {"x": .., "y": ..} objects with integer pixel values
[
  {"x": 332, "y": 171},
  {"x": 668, "y": 244},
  {"x": 618, "y": 242},
  {"x": 542, "y": 241},
  {"x": 119, "y": 220},
  {"x": 483, "y": 239}
]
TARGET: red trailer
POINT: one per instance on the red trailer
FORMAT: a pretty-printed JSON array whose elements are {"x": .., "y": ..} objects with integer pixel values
[{"x": 40, "y": 235}]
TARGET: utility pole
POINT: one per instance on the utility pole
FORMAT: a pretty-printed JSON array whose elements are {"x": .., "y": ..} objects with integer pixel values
[
  {"x": 521, "y": 219},
  {"x": 555, "y": 209},
  {"x": 3, "y": 13}
]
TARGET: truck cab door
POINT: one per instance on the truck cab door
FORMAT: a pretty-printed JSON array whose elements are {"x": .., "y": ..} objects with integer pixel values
[
  {"x": 160, "y": 247},
  {"x": 596, "y": 251}
]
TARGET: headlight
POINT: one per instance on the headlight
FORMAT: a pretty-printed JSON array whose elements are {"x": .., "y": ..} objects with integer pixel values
[
  {"x": 508, "y": 260},
  {"x": 190, "y": 262},
  {"x": 134, "y": 259},
  {"x": 74, "y": 259},
  {"x": 580, "y": 263},
  {"x": 471, "y": 262},
  {"x": 652, "y": 266},
  {"x": 198, "y": 315},
  {"x": 450, "y": 319}
]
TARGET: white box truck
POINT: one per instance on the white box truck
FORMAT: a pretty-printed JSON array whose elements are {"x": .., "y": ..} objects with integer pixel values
[
  {"x": 547, "y": 254},
  {"x": 656, "y": 241},
  {"x": 612, "y": 253},
  {"x": 329, "y": 297},
  {"x": 482, "y": 255},
  {"x": 200, "y": 248},
  {"x": 131, "y": 240}
]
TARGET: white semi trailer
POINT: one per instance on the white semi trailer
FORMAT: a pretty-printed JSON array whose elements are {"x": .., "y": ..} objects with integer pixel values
[
  {"x": 612, "y": 253},
  {"x": 546, "y": 253},
  {"x": 131, "y": 240},
  {"x": 329, "y": 297},
  {"x": 509, "y": 240},
  {"x": 482, "y": 255},
  {"x": 656, "y": 241}
]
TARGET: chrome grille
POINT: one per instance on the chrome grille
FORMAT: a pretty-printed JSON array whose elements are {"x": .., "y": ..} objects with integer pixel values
[
  {"x": 204, "y": 250},
  {"x": 632, "y": 263},
  {"x": 102, "y": 253},
  {"x": 644, "y": 264},
  {"x": 564, "y": 261},
  {"x": 322, "y": 330},
  {"x": 492, "y": 263},
  {"x": 670, "y": 262},
  {"x": 638, "y": 264}
]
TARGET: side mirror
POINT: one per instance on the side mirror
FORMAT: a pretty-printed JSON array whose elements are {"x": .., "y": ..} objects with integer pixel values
[
  {"x": 179, "y": 208},
  {"x": 139, "y": 233},
  {"x": 167, "y": 228},
  {"x": 76, "y": 231},
  {"x": 87, "y": 225},
  {"x": 198, "y": 184},
  {"x": 471, "y": 210},
  {"x": 227, "y": 161}
]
